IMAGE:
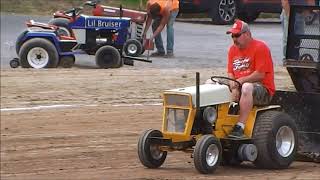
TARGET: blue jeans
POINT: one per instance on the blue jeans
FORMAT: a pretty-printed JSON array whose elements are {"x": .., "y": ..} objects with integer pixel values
[{"x": 170, "y": 33}]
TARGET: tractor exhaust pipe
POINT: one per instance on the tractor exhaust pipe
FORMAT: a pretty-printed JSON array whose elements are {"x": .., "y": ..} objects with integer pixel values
[{"x": 198, "y": 91}]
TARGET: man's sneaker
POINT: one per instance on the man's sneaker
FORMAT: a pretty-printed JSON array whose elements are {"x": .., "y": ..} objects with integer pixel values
[
  {"x": 237, "y": 132},
  {"x": 169, "y": 55},
  {"x": 157, "y": 54}
]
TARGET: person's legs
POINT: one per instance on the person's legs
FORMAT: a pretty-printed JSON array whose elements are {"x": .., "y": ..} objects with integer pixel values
[
  {"x": 252, "y": 94},
  {"x": 246, "y": 104},
  {"x": 170, "y": 32},
  {"x": 158, "y": 39}
]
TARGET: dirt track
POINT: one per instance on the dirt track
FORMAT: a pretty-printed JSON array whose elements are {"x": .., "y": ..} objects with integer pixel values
[{"x": 94, "y": 135}]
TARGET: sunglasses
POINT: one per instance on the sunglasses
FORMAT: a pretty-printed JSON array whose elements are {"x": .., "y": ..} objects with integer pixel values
[{"x": 236, "y": 35}]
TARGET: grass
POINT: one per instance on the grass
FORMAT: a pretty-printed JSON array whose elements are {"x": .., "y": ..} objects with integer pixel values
[{"x": 47, "y": 7}]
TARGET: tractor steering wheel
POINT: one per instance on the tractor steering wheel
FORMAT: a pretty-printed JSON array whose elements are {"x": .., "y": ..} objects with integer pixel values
[{"x": 216, "y": 80}]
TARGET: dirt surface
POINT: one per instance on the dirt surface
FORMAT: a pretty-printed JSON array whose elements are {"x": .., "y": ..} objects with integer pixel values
[{"x": 85, "y": 124}]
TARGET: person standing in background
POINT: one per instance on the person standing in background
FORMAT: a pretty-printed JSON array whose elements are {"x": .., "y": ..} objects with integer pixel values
[{"x": 163, "y": 13}]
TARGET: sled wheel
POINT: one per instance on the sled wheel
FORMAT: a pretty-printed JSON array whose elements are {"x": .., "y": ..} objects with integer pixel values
[
  {"x": 133, "y": 47},
  {"x": 207, "y": 154},
  {"x": 67, "y": 61},
  {"x": 149, "y": 153},
  {"x": 275, "y": 136},
  {"x": 108, "y": 57},
  {"x": 14, "y": 63},
  {"x": 38, "y": 53},
  {"x": 63, "y": 25}
]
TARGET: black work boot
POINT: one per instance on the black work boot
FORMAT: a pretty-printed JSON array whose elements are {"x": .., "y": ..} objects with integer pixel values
[
  {"x": 158, "y": 54},
  {"x": 237, "y": 132}
]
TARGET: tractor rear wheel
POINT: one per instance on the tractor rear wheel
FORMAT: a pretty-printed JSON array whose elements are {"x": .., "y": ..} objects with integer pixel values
[
  {"x": 108, "y": 57},
  {"x": 38, "y": 53},
  {"x": 207, "y": 154},
  {"x": 149, "y": 153},
  {"x": 275, "y": 136}
]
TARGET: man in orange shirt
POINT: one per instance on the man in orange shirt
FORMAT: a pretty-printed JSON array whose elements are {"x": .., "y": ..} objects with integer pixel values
[
  {"x": 250, "y": 63},
  {"x": 162, "y": 12}
]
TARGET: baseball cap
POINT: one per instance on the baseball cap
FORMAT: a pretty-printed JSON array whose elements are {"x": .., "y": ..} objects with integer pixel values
[{"x": 238, "y": 27}]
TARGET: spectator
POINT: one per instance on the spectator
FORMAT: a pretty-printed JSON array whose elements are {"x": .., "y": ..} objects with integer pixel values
[{"x": 163, "y": 13}]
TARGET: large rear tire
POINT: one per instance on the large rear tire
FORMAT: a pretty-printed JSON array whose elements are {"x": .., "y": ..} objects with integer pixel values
[
  {"x": 63, "y": 25},
  {"x": 275, "y": 136},
  {"x": 38, "y": 53},
  {"x": 207, "y": 154},
  {"x": 223, "y": 11},
  {"x": 108, "y": 57},
  {"x": 149, "y": 153}
]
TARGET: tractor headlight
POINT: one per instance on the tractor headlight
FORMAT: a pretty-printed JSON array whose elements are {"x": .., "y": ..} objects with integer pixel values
[{"x": 210, "y": 114}]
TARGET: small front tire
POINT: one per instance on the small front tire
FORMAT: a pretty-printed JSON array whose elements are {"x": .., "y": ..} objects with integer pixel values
[
  {"x": 149, "y": 153},
  {"x": 207, "y": 154},
  {"x": 108, "y": 57}
]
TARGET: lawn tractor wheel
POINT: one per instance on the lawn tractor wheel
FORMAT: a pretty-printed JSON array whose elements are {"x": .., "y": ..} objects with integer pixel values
[
  {"x": 275, "y": 136},
  {"x": 207, "y": 154},
  {"x": 108, "y": 57},
  {"x": 63, "y": 25},
  {"x": 133, "y": 47},
  {"x": 67, "y": 61},
  {"x": 149, "y": 153},
  {"x": 38, "y": 53}
]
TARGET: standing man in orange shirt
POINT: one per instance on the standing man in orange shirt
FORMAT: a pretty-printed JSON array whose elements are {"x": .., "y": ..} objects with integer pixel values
[
  {"x": 250, "y": 63},
  {"x": 163, "y": 13}
]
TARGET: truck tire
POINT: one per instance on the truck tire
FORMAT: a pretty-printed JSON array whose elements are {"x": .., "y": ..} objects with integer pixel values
[
  {"x": 223, "y": 11},
  {"x": 149, "y": 153},
  {"x": 248, "y": 17},
  {"x": 207, "y": 154},
  {"x": 67, "y": 61},
  {"x": 132, "y": 47},
  {"x": 38, "y": 53},
  {"x": 275, "y": 136},
  {"x": 63, "y": 25},
  {"x": 108, "y": 57}
]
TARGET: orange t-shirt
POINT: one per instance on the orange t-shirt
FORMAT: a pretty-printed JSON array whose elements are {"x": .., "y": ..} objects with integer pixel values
[
  {"x": 256, "y": 57},
  {"x": 164, "y": 3}
]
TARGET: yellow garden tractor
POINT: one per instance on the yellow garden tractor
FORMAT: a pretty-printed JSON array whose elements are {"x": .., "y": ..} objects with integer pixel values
[{"x": 198, "y": 119}]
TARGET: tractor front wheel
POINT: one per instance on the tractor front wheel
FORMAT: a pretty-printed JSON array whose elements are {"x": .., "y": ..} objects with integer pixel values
[
  {"x": 108, "y": 57},
  {"x": 149, "y": 153},
  {"x": 207, "y": 154},
  {"x": 275, "y": 136}
]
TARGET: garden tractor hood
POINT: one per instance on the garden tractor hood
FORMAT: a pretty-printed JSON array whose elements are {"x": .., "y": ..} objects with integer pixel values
[{"x": 210, "y": 94}]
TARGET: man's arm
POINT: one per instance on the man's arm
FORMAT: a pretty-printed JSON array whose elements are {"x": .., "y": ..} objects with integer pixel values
[
  {"x": 148, "y": 22},
  {"x": 163, "y": 22},
  {"x": 252, "y": 78}
]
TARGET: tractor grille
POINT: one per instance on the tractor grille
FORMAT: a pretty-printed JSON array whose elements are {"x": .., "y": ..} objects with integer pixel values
[{"x": 176, "y": 119}]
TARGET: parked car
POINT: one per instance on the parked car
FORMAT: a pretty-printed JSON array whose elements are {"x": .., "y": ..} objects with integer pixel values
[{"x": 225, "y": 11}]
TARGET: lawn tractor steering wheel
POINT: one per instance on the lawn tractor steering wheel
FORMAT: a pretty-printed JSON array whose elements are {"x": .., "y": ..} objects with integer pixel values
[
  {"x": 217, "y": 79},
  {"x": 74, "y": 11}
]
